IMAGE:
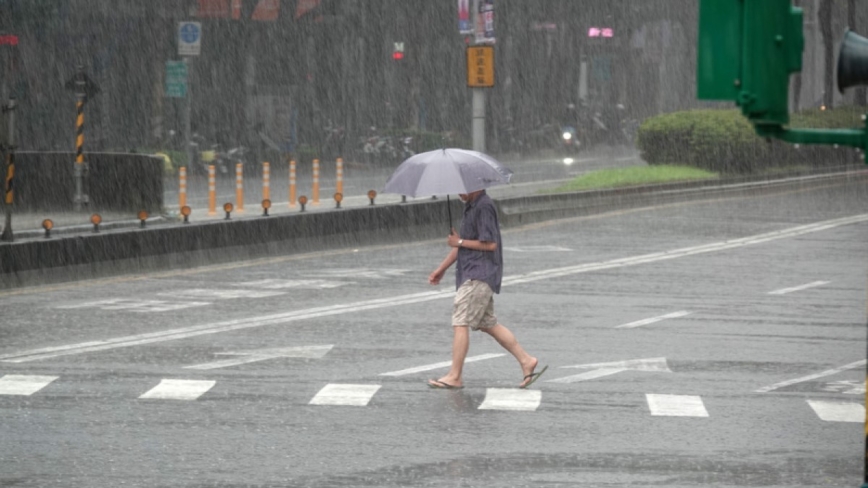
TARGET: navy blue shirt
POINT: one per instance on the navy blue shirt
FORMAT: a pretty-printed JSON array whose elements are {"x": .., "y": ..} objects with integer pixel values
[{"x": 480, "y": 224}]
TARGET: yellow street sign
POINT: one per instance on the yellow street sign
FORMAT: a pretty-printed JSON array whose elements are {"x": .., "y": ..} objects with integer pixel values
[{"x": 480, "y": 66}]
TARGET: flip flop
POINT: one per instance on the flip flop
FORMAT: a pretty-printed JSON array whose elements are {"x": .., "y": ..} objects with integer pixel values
[
  {"x": 437, "y": 384},
  {"x": 533, "y": 377}
]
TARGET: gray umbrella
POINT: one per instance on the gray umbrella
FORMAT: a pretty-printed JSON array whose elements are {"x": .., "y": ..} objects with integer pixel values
[{"x": 447, "y": 171}]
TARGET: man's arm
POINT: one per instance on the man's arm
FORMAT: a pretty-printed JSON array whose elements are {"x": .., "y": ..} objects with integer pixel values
[{"x": 435, "y": 277}]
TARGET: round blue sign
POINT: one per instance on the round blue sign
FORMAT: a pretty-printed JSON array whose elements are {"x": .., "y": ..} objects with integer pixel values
[{"x": 189, "y": 33}]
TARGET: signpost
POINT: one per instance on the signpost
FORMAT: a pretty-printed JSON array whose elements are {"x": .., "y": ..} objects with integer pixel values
[
  {"x": 189, "y": 44},
  {"x": 84, "y": 89},
  {"x": 480, "y": 67}
]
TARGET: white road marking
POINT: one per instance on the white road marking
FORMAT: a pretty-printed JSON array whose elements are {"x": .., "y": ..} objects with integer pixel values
[
  {"x": 284, "y": 318},
  {"x": 599, "y": 370},
  {"x": 784, "y": 291},
  {"x": 846, "y": 387},
  {"x": 352, "y": 395},
  {"x": 829, "y": 372},
  {"x": 640, "y": 323},
  {"x": 309, "y": 352},
  {"x": 375, "y": 274},
  {"x": 179, "y": 389},
  {"x": 537, "y": 249},
  {"x": 20, "y": 384},
  {"x": 220, "y": 294},
  {"x": 511, "y": 399},
  {"x": 676, "y": 405},
  {"x": 838, "y": 411},
  {"x": 444, "y": 364},
  {"x": 133, "y": 305},
  {"x": 283, "y": 284}
]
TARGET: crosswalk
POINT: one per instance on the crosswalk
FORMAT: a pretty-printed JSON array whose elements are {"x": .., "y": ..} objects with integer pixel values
[{"x": 360, "y": 395}]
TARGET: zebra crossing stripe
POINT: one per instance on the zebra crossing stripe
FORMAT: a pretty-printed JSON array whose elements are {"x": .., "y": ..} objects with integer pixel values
[
  {"x": 178, "y": 389},
  {"x": 511, "y": 399},
  {"x": 676, "y": 405},
  {"x": 19, "y": 384},
  {"x": 351, "y": 395},
  {"x": 838, "y": 411}
]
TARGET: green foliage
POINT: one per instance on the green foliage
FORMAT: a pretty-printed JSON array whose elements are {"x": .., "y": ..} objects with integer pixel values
[
  {"x": 634, "y": 175},
  {"x": 724, "y": 141}
]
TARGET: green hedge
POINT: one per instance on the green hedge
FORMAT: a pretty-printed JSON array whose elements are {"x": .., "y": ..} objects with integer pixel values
[{"x": 724, "y": 141}]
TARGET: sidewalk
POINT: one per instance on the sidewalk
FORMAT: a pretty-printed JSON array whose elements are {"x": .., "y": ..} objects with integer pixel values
[{"x": 28, "y": 225}]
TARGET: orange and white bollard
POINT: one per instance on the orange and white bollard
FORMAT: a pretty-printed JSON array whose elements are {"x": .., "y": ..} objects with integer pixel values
[
  {"x": 239, "y": 187},
  {"x": 182, "y": 187},
  {"x": 266, "y": 181},
  {"x": 292, "y": 183},
  {"x": 315, "y": 190},
  {"x": 212, "y": 190},
  {"x": 339, "y": 172}
]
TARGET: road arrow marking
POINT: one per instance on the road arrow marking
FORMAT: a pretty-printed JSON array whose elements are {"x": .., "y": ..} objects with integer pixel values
[
  {"x": 784, "y": 291},
  {"x": 640, "y": 323},
  {"x": 444, "y": 364},
  {"x": 309, "y": 352},
  {"x": 599, "y": 370},
  {"x": 829, "y": 372}
]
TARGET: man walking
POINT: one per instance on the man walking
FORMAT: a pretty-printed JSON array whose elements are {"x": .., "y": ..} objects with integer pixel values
[{"x": 479, "y": 253}]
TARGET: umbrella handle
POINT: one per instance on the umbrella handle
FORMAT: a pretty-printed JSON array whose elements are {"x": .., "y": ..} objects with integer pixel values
[{"x": 449, "y": 208}]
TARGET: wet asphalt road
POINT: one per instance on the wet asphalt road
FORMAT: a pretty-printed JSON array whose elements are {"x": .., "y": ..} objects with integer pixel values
[{"x": 713, "y": 343}]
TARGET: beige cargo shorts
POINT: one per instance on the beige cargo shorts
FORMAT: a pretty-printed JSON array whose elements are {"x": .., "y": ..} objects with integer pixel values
[{"x": 474, "y": 306}]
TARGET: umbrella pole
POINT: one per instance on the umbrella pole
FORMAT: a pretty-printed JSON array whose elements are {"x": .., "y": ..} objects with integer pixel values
[{"x": 449, "y": 208}]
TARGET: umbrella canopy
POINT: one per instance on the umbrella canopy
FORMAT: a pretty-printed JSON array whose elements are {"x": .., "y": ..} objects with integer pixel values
[{"x": 447, "y": 171}]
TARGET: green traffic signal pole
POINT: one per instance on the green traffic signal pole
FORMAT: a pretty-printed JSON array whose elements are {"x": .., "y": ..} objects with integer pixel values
[{"x": 842, "y": 137}]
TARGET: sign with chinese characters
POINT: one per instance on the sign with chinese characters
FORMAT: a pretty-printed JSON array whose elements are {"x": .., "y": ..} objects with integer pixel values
[{"x": 480, "y": 66}]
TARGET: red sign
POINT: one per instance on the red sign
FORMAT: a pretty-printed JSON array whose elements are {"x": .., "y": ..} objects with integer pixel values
[{"x": 9, "y": 40}]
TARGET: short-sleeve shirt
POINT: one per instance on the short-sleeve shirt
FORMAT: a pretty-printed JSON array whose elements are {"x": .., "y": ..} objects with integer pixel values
[{"x": 480, "y": 224}]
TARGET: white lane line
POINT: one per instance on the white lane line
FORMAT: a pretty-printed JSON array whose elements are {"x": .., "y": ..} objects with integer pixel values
[
  {"x": 179, "y": 389},
  {"x": 640, "y": 323},
  {"x": 838, "y": 411},
  {"x": 828, "y": 372},
  {"x": 511, "y": 399},
  {"x": 676, "y": 405},
  {"x": 20, "y": 384},
  {"x": 351, "y": 395},
  {"x": 285, "y": 318},
  {"x": 220, "y": 294},
  {"x": 444, "y": 364},
  {"x": 784, "y": 291}
]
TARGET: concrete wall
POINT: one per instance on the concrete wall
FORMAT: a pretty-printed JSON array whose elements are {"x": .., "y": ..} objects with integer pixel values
[{"x": 122, "y": 182}]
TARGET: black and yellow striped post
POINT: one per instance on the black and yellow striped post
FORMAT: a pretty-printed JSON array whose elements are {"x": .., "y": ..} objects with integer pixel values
[
  {"x": 84, "y": 88},
  {"x": 8, "y": 112}
]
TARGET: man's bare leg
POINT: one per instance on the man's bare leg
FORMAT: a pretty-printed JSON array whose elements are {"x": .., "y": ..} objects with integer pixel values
[
  {"x": 460, "y": 345},
  {"x": 507, "y": 340}
]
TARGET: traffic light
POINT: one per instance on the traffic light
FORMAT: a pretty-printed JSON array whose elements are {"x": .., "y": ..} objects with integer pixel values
[
  {"x": 747, "y": 51},
  {"x": 398, "y": 51}
]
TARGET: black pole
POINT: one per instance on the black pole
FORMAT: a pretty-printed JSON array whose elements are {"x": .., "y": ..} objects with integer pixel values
[{"x": 449, "y": 208}]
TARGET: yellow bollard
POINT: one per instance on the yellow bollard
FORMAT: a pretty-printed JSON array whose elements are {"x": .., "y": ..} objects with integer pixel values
[
  {"x": 182, "y": 187},
  {"x": 212, "y": 191},
  {"x": 239, "y": 187},
  {"x": 266, "y": 181},
  {"x": 339, "y": 172},
  {"x": 315, "y": 191},
  {"x": 291, "y": 182}
]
